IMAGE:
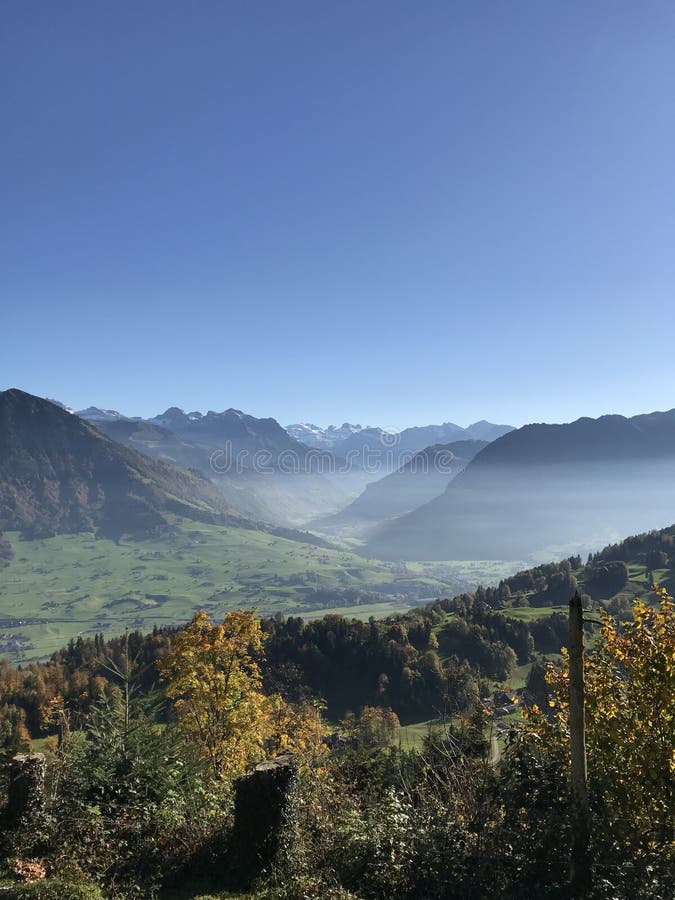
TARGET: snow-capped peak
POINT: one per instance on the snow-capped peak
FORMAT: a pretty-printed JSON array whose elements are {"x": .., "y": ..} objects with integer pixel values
[
  {"x": 315, "y": 436},
  {"x": 95, "y": 414},
  {"x": 61, "y": 405}
]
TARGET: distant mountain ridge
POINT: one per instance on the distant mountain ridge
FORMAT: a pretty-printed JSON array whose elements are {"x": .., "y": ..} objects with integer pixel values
[
  {"x": 425, "y": 476},
  {"x": 265, "y": 471},
  {"x": 487, "y": 431},
  {"x": 95, "y": 414},
  {"x": 256, "y": 433},
  {"x": 545, "y": 486},
  {"x": 213, "y": 429},
  {"x": 345, "y": 438},
  {"x": 226, "y": 425},
  {"x": 322, "y": 438}
]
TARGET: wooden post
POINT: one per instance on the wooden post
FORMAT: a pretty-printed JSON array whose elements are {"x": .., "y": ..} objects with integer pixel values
[{"x": 580, "y": 861}]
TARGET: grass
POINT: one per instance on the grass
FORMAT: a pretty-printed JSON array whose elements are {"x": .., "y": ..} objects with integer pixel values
[
  {"x": 363, "y": 611},
  {"x": 532, "y": 613},
  {"x": 58, "y": 588},
  {"x": 641, "y": 586},
  {"x": 518, "y": 677},
  {"x": 411, "y": 737}
]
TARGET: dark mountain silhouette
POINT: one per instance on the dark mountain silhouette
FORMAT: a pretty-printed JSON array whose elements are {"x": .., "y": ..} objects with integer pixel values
[
  {"x": 608, "y": 438},
  {"x": 546, "y": 486},
  {"x": 59, "y": 474}
]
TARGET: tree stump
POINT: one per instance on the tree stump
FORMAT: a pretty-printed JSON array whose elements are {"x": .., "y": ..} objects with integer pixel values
[
  {"x": 260, "y": 805},
  {"x": 26, "y": 793}
]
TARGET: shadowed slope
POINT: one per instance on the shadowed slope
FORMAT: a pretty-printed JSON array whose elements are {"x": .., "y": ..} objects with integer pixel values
[{"x": 59, "y": 474}]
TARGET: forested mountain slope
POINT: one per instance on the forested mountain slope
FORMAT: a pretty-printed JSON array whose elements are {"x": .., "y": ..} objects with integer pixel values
[{"x": 58, "y": 474}]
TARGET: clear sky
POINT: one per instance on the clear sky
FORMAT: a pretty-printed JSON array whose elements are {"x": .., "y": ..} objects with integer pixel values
[{"x": 387, "y": 212}]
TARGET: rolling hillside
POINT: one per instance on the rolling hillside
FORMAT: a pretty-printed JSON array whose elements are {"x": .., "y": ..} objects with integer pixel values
[{"x": 55, "y": 588}]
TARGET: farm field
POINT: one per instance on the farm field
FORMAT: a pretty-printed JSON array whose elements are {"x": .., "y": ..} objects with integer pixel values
[{"x": 58, "y": 588}]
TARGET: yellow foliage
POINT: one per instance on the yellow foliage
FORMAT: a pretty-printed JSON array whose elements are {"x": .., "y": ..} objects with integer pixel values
[
  {"x": 630, "y": 723},
  {"x": 212, "y": 674},
  {"x": 213, "y": 677},
  {"x": 294, "y": 729}
]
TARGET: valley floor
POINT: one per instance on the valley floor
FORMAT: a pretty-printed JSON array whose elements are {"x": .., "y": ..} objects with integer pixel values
[{"x": 58, "y": 588}]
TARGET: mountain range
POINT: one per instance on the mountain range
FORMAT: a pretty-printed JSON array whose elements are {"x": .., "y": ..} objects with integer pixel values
[
  {"x": 110, "y": 538},
  {"x": 244, "y": 433},
  {"x": 541, "y": 489},
  {"x": 344, "y": 438},
  {"x": 263, "y": 470}
]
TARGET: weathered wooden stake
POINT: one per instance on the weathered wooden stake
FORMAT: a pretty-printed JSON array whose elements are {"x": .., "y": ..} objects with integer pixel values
[{"x": 580, "y": 860}]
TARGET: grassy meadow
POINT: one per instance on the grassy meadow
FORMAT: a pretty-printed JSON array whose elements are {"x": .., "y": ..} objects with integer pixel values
[{"x": 58, "y": 588}]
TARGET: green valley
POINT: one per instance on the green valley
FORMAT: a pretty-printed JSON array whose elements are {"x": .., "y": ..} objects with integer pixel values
[{"x": 57, "y": 588}]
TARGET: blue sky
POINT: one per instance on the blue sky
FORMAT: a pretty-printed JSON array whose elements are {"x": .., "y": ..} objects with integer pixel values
[{"x": 387, "y": 212}]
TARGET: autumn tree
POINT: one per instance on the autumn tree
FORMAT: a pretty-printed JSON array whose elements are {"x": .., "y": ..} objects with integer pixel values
[
  {"x": 14, "y": 735},
  {"x": 212, "y": 675},
  {"x": 294, "y": 727}
]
